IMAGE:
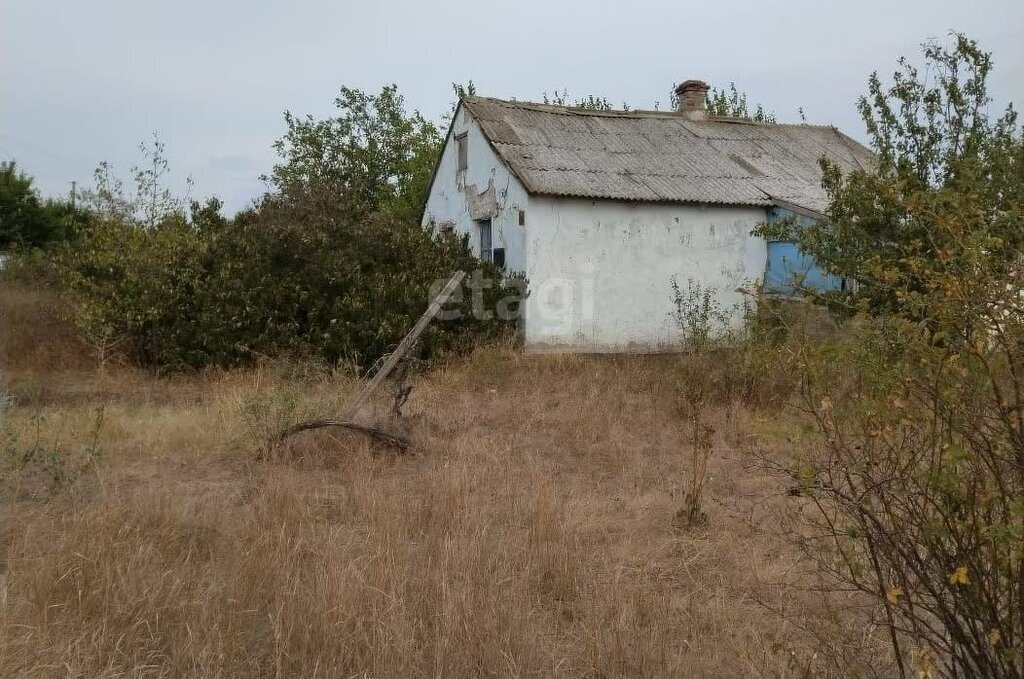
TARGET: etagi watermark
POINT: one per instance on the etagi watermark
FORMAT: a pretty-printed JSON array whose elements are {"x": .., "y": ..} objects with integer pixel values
[{"x": 555, "y": 300}]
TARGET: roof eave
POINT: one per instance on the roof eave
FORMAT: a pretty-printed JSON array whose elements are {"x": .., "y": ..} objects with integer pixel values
[
  {"x": 437, "y": 161},
  {"x": 799, "y": 209},
  {"x": 654, "y": 201},
  {"x": 769, "y": 201}
]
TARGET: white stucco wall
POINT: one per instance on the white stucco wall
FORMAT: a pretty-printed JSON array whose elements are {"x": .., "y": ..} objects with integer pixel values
[
  {"x": 600, "y": 271},
  {"x": 486, "y": 189}
]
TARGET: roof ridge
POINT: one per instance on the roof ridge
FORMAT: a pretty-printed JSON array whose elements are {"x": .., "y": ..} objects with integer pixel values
[{"x": 559, "y": 109}]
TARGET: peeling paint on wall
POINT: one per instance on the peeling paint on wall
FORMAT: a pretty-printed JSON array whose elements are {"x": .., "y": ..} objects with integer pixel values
[
  {"x": 481, "y": 204},
  {"x": 456, "y": 197}
]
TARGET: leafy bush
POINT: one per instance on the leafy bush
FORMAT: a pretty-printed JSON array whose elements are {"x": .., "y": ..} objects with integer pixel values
[
  {"x": 311, "y": 280},
  {"x": 916, "y": 486},
  {"x": 332, "y": 266},
  {"x": 919, "y": 489},
  {"x": 142, "y": 286},
  {"x": 345, "y": 286}
]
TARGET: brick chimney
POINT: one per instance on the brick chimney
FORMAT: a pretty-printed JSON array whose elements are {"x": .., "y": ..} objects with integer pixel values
[{"x": 692, "y": 99}]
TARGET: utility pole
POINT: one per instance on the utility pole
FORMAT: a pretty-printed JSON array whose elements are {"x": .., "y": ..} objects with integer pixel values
[{"x": 72, "y": 194}]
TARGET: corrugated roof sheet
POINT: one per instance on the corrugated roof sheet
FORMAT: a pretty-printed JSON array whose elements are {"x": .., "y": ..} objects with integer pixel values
[{"x": 663, "y": 156}]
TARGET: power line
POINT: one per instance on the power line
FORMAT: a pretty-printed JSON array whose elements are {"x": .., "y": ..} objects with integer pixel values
[
  {"x": 37, "y": 149},
  {"x": 7, "y": 157}
]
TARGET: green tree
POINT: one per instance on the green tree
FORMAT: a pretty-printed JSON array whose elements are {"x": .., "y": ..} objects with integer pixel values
[
  {"x": 26, "y": 220},
  {"x": 21, "y": 215},
  {"x": 374, "y": 152},
  {"x": 918, "y": 473},
  {"x": 148, "y": 201},
  {"x": 947, "y": 186}
]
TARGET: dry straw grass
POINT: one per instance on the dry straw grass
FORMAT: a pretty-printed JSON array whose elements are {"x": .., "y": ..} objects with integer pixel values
[
  {"x": 530, "y": 531},
  {"x": 33, "y": 335}
]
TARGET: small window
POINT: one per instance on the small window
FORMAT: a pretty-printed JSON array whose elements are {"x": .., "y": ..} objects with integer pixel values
[
  {"x": 499, "y": 257},
  {"x": 522, "y": 218},
  {"x": 486, "y": 253},
  {"x": 462, "y": 147}
]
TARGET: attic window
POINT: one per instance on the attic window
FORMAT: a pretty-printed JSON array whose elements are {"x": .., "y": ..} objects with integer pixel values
[{"x": 462, "y": 147}]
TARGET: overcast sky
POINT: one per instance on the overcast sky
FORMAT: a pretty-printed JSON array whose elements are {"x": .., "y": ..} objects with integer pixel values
[{"x": 87, "y": 81}]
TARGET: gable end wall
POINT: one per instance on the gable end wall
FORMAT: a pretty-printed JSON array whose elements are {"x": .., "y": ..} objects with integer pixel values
[{"x": 486, "y": 189}]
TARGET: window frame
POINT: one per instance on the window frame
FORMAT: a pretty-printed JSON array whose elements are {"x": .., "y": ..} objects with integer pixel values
[{"x": 462, "y": 152}]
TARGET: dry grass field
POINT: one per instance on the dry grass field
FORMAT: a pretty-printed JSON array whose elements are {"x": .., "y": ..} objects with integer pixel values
[{"x": 531, "y": 529}]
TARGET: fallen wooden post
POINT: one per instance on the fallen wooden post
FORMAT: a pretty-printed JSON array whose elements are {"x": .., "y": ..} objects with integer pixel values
[
  {"x": 396, "y": 441},
  {"x": 407, "y": 342}
]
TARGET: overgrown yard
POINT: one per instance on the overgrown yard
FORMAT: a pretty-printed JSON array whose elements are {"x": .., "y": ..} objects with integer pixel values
[{"x": 532, "y": 528}]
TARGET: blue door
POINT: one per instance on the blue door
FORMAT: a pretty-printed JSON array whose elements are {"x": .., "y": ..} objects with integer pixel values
[{"x": 789, "y": 270}]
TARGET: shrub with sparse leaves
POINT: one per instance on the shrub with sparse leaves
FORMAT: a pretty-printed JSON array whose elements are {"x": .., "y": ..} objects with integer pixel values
[{"x": 914, "y": 491}]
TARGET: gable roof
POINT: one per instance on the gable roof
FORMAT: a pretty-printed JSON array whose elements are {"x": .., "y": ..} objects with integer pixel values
[{"x": 659, "y": 156}]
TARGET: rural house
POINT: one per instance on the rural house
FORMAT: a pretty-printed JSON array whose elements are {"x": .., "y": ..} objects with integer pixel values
[{"x": 602, "y": 209}]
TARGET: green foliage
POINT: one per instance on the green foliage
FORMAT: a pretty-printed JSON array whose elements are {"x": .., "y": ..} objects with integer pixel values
[
  {"x": 732, "y": 103},
  {"x": 590, "y": 102},
  {"x": 917, "y": 482},
  {"x": 461, "y": 91},
  {"x": 320, "y": 278},
  {"x": 373, "y": 152},
  {"x": 322, "y": 284},
  {"x": 141, "y": 286},
  {"x": 704, "y": 323},
  {"x": 727, "y": 103},
  {"x": 946, "y": 197},
  {"x": 313, "y": 275},
  {"x": 149, "y": 201},
  {"x": 918, "y": 478},
  {"x": 333, "y": 265},
  {"x": 28, "y": 221}
]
